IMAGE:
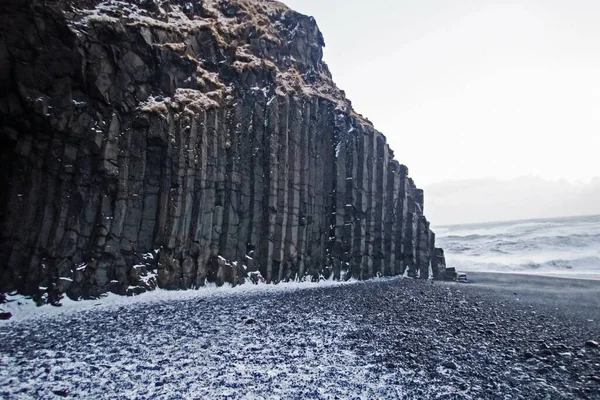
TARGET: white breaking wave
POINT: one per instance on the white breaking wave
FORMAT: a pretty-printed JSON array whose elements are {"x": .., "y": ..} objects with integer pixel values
[{"x": 561, "y": 245}]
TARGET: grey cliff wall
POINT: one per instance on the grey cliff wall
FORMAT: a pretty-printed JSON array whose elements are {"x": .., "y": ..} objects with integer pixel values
[{"x": 178, "y": 143}]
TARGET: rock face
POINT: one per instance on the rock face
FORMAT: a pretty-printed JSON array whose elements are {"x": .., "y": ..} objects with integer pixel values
[{"x": 175, "y": 143}]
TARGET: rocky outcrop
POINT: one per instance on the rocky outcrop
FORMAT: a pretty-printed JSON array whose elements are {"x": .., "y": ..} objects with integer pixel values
[
  {"x": 438, "y": 262},
  {"x": 176, "y": 143}
]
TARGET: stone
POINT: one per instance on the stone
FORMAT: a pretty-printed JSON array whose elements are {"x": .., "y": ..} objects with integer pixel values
[
  {"x": 60, "y": 392},
  {"x": 134, "y": 290},
  {"x": 450, "y": 274},
  {"x": 438, "y": 263},
  {"x": 545, "y": 352},
  {"x": 256, "y": 278},
  {"x": 543, "y": 369},
  {"x": 5, "y": 315},
  {"x": 592, "y": 344},
  {"x": 449, "y": 365}
]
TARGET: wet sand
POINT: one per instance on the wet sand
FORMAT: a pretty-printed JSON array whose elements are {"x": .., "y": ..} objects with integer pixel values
[{"x": 578, "y": 300}]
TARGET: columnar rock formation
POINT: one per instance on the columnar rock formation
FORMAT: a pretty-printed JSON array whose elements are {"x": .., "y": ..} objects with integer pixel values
[{"x": 176, "y": 143}]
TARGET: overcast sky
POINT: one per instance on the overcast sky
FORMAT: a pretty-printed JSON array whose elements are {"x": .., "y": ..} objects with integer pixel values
[
  {"x": 526, "y": 197},
  {"x": 472, "y": 89}
]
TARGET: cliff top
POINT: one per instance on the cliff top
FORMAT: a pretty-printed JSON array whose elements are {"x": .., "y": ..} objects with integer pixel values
[{"x": 260, "y": 36}]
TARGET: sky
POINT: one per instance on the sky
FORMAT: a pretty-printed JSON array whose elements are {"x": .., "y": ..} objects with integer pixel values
[
  {"x": 526, "y": 197},
  {"x": 465, "y": 90}
]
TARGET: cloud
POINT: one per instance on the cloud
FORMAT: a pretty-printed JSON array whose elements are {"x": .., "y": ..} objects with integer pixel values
[{"x": 525, "y": 197}]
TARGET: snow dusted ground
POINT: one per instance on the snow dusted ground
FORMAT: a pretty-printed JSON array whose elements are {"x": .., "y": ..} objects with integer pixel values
[
  {"x": 266, "y": 341},
  {"x": 393, "y": 338}
]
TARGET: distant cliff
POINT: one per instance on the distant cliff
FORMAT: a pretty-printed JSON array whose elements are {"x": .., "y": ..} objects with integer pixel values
[{"x": 175, "y": 143}]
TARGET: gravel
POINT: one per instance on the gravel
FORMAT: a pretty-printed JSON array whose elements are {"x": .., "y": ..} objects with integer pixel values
[{"x": 500, "y": 337}]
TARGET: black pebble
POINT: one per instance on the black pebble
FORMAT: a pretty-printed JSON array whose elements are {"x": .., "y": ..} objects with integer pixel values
[{"x": 61, "y": 392}]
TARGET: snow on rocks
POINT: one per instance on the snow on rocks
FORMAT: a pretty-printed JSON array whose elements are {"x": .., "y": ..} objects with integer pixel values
[
  {"x": 394, "y": 338},
  {"x": 202, "y": 344}
]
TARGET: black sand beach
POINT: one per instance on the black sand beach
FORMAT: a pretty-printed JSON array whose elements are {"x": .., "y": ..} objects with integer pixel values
[
  {"x": 500, "y": 337},
  {"x": 578, "y": 300}
]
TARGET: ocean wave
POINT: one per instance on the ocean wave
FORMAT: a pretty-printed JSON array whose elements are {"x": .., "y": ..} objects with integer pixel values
[
  {"x": 575, "y": 239},
  {"x": 558, "y": 227},
  {"x": 567, "y": 244},
  {"x": 584, "y": 264}
]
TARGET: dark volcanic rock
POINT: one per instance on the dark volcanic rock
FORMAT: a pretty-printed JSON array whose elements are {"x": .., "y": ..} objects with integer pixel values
[
  {"x": 61, "y": 392},
  {"x": 438, "y": 263},
  {"x": 449, "y": 365},
  {"x": 171, "y": 143}
]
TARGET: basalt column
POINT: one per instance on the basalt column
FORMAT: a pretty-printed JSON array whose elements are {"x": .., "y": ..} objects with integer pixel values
[
  {"x": 176, "y": 146},
  {"x": 438, "y": 263},
  {"x": 423, "y": 247},
  {"x": 412, "y": 226}
]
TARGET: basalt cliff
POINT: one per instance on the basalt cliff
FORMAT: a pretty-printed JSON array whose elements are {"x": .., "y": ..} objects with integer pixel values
[{"x": 169, "y": 144}]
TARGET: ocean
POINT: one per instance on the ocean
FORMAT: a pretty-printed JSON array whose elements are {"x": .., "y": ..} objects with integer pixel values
[{"x": 560, "y": 246}]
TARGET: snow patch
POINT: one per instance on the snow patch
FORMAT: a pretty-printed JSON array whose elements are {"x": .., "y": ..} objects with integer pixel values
[{"x": 23, "y": 308}]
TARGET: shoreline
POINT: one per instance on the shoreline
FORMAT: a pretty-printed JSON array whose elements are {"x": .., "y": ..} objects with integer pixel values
[
  {"x": 23, "y": 308},
  {"x": 569, "y": 300},
  {"x": 592, "y": 276}
]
